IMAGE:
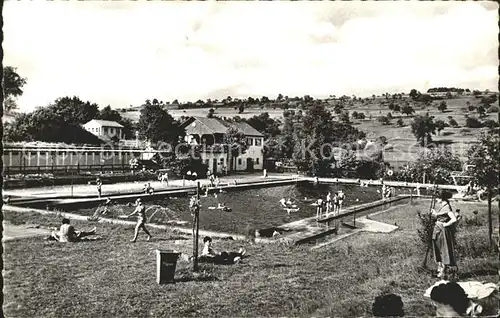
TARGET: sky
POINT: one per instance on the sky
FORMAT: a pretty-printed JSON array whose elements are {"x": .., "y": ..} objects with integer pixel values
[{"x": 122, "y": 53}]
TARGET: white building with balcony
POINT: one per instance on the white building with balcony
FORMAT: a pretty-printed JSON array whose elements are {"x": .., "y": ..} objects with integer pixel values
[{"x": 210, "y": 132}]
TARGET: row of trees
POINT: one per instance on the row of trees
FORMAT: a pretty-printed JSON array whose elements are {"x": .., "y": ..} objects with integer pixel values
[{"x": 61, "y": 122}]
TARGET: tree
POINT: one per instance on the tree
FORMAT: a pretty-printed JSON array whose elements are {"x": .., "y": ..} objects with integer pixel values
[
  {"x": 422, "y": 128},
  {"x": 74, "y": 110},
  {"x": 400, "y": 122},
  {"x": 279, "y": 98},
  {"x": 148, "y": 102},
  {"x": 440, "y": 125},
  {"x": 481, "y": 111},
  {"x": 396, "y": 108},
  {"x": 157, "y": 125},
  {"x": 155, "y": 101},
  {"x": 344, "y": 117},
  {"x": 471, "y": 108},
  {"x": 414, "y": 93},
  {"x": 391, "y": 105},
  {"x": 452, "y": 122},
  {"x": 473, "y": 122},
  {"x": 437, "y": 165},
  {"x": 317, "y": 130},
  {"x": 44, "y": 124},
  {"x": 12, "y": 84},
  {"x": 442, "y": 106},
  {"x": 265, "y": 125},
  {"x": 407, "y": 110},
  {"x": 490, "y": 123},
  {"x": 384, "y": 120},
  {"x": 211, "y": 112},
  {"x": 241, "y": 108},
  {"x": 236, "y": 141},
  {"x": 109, "y": 114},
  {"x": 484, "y": 159}
]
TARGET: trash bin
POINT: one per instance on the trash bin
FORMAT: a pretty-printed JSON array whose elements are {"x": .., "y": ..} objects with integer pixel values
[{"x": 166, "y": 261}]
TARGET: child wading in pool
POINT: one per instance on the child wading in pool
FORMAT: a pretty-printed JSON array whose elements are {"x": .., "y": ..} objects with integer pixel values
[
  {"x": 340, "y": 200},
  {"x": 319, "y": 208}
]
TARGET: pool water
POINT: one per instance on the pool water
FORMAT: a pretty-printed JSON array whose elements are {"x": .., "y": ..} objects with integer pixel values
[{"x": 251, "y": 209}]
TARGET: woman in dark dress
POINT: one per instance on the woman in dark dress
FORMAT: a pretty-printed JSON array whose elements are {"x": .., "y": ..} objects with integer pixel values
[{"x": 442, "y": 235}]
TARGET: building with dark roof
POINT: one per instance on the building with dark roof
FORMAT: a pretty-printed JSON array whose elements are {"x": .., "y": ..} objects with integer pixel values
[{"x": 210, "y": 132}]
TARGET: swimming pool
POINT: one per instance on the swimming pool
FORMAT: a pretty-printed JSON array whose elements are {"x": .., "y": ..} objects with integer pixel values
[{"x": 250, "y": 209}]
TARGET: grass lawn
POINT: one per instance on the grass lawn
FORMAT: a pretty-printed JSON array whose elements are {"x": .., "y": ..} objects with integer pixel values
[{"x": 112, "y": 277}]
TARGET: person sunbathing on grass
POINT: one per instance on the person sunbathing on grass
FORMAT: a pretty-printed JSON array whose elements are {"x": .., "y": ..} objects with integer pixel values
[
  {"x": 67, "y": 233},
  {"x": 209, "y": 255}
]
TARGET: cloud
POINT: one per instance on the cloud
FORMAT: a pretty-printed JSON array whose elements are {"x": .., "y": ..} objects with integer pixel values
[{"x": 125, "y": 52}]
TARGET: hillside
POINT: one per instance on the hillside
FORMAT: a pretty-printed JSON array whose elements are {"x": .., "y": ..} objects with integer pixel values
[{"x": 402, "y": 146}]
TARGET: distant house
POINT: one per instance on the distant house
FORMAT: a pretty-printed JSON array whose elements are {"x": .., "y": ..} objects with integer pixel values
[
  {"x": 104, "y": 129},
  {"x": 210, "y": 133}
]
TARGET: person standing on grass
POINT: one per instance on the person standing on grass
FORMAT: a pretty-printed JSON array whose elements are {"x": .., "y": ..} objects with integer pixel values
[
  {"x": 99, "y": 186},
  {"x": 443, "y": 232},
  {"x": 140, "y": 211}
]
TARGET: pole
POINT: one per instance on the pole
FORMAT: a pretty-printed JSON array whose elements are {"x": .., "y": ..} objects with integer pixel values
[
  {"x": 433, "y": 201},
  {"x": 196, "y": 228},
  {"x": 72, "y": 183}
]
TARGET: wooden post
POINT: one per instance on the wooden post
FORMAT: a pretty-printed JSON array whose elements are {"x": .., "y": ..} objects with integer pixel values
[
  {"x": 196, "y": 228},
  {"x": 429, "y": 246}
]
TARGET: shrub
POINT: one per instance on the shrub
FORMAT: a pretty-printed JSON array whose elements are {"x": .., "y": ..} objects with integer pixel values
[
  {"x": 425, "y": 230},
  {"x": 453, "y": 123},
  {"x": 384, "y": 120},
  {"x": 490, "y": 123},
  {"x": 471, "y": 108},
  {"x": 400, "y": 122},
  {"x": 473, "y": 122}
]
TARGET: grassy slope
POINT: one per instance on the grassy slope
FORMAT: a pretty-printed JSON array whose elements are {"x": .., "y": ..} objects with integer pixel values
[
  {"x": 112, "y": 277},
  {"x": 400, "y": 138}
]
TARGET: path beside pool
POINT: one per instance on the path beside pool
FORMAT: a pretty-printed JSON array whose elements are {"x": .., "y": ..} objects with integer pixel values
[{"x": 13, "y": 232}]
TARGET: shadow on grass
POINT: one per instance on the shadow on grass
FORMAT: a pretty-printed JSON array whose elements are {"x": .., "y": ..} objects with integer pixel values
[
  {"x": 476, "y": 273},
  {"x": 170, "y": 238},
  {"x": 443, "y": 142},
  {"x": 186, "y": 275}
]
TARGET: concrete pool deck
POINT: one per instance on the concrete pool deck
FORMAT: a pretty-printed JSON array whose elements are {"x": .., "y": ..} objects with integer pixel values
[
  {"x": 310, "y": 229},
  {"x": 87, "y": 190}
]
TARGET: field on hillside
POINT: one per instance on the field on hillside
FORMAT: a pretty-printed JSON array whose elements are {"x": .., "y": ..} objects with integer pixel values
[
  {"x": 112, "y": 277},
  {"x": 402, "y": 146}
]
